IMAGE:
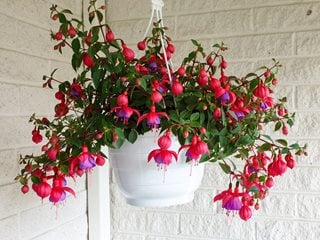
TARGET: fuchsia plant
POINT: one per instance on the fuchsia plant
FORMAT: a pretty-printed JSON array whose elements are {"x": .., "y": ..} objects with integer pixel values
[{"x": 116, "y": 96}]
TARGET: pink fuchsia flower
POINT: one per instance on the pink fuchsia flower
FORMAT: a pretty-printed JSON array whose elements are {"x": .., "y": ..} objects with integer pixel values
[
  {"x": 42, "y": 189},
  {"x": 277, "y": 167},
  {"x": 153, "y": 117},
  {"x": 84, "y": 161},
  {"x": 163, "y": 156},
  {"x": 124, "y": 113},
  {"x": 195, "y": 149},
  {"x": 231, "y": 199},
  {"x": 59, "y": 189}
]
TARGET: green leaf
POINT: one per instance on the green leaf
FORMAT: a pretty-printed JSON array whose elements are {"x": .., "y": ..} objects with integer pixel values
[
  {"x": 143, "y": 83},
  {"x": 194, "y": 116},
  {"x": 225, "y": 167},
  {"x": 99, "y": 15},
  {"x": 244, "y": 140},
  {"x": 75, "y": 45},
  {"x": 35, "y": 180},
  {"x": 64, "y": 169},
  {"x": 62, "y": 18},
  {"x": 254, "y": 190},
  {"x": 133, "y": 135},
  {"x": 66, "y": 11},
  {"x": 278, "y": 126},
  {"x": 294, "y": 146},
  {"x": 282, "y": 142},
  {"x": 264, "y": 147}
]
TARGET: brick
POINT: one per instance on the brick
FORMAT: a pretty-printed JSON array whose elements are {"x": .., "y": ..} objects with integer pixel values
[
  {"x": 300, "y": 71},
  {"x": 9, "y": 228},
  {"x": 214, "y": 226},
  {"x": 187, "y": 6},
  {"x": 39, "y": 100},
  {"x": 116, "y": 198},
  {"x": 32, "y": 40},
  {"x": 214, "y": 176},
  {"x": 17, "y": 132},
  {"x": 48, "y": 217},
  {"x": 121, "y": 236},
  {"x": 158, "y": 222},
  {"x": 313, "y": 150},
  {"x": 33, "y": 71},
  {"x": 258, "y": 46},
  {"x": 220, "y": 23},
  {"x": 308, "y": 206},
  {"x": 307, "y": 43},
  {"x": 288, "y": 17},
  {"x": 308, "y": 97},
  {"x": 9, "y": 102},
  {"x": 45, "y": 236},
  {"x": 202, "y": 202},
  {"x": 279, "y": 229},
  {"x": 133, "y": 31},
  {"x": 135, "y": 9},
  {"x": 278, "y": 205},
  {"x": 129, "y": 219},
  {"x": 9, "y": 162},
  {"x": 307, "y": 124},
  {"x": 276, "y": 229},
  {"x": 300, "y": 178},
  {"x": 75, "y": 230}
]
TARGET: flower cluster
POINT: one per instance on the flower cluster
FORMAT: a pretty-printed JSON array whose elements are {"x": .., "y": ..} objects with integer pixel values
[{"x": 116, "y": 96}]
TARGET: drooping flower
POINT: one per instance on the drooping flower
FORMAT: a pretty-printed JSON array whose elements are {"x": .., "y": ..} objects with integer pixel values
[
  {"x": 195, "y": 149},
  {"x": 230, "y": 199},
  {"x": 163, "y": 156},
  {"x": 59, "y": 189},
  {"x": 153, "y": 117}
]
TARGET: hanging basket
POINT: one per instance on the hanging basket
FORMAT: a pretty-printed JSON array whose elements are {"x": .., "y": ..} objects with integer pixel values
[{"x": 143, "y": 184}]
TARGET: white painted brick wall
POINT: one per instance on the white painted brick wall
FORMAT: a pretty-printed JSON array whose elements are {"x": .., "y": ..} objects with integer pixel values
[
  {"x": 26, "y": 54},
  {"x": 255, "y": 31}
]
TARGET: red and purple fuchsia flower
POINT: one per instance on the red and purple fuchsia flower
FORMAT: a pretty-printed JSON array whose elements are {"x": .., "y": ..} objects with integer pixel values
[
  {"x": 123, "y": 111},
  {"x": 163, "y": 156}
]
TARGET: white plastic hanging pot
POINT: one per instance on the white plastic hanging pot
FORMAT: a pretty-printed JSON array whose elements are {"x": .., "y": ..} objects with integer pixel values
[{"x": 143, "y": 184}]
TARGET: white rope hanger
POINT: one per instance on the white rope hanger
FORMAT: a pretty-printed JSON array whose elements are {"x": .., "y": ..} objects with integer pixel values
[{"x": 156, "y": 11}]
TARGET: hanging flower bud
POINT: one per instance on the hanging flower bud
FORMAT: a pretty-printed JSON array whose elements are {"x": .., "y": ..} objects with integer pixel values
[
  {"x": 87, "y": 60},
  {"x": 142, "y": 45},
  {"x": 122, "y": 99},
  {"x": 128, "y": 53},
  {"x": 72, "y": 31},
  {"x": 245, "y": 213},
  {"x": 181, "y": 71},
  {"x": 109, "y": 36},
  {"x": 176, "y": 88}
]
